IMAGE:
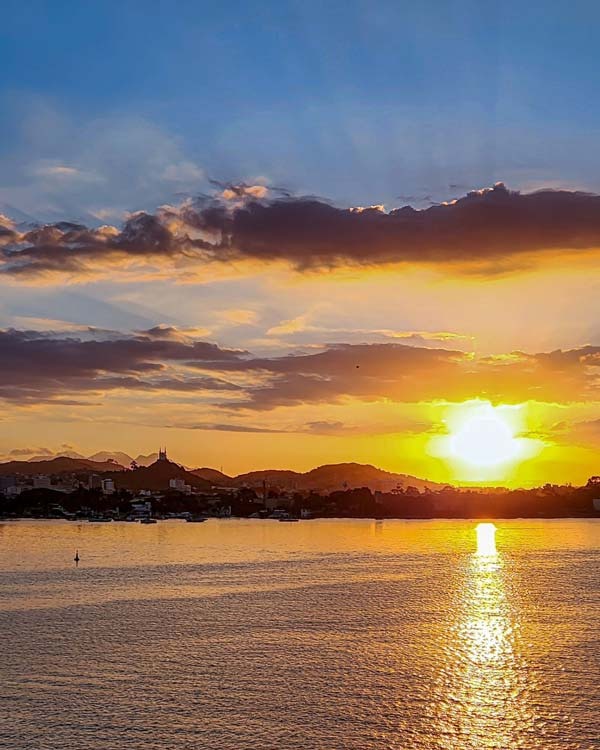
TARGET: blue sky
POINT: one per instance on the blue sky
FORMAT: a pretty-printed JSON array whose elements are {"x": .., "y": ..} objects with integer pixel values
[{"x": 357, "y": 102}]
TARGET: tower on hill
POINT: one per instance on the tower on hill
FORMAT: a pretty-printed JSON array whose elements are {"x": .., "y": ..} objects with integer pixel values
[{"x": 162, "y": 454}]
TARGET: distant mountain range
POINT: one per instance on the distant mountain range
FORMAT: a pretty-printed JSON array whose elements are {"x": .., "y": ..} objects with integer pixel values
[
  {"x": 123, "y": 459},
  {"x": 58, "y": 465},
  {"x": 155, "y": 475}
]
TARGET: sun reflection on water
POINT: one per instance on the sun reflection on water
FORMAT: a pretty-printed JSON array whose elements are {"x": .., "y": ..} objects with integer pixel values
[
  {"x": 484, "y": 680},
  {"x": 486, "y": 539}
]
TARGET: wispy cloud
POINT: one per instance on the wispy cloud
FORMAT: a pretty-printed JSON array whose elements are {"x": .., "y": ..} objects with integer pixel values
[{"x": 65, "y": 167}]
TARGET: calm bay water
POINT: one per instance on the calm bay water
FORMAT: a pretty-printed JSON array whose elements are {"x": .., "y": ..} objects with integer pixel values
[{"x": 320, "y": 635}]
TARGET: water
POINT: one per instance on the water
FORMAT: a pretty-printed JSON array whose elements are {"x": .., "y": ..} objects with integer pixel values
[{"x": 320, "y": 635}]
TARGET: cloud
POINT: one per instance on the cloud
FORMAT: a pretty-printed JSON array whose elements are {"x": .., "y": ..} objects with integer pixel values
[
  {"x": 8, "y": 234},
  {"x": 38, "y": 367},
  {"x": 401, "y": 373},
  {"x": 41, "y": 367},
  {"x": 56, "y": 170},
  {"x": 300, "y": 330},
  {"x": 483, "y": 227},
  {"x": 585, "y": 433},
  {"x": 30, "y": 452},
  {"x": 241, "y": 191},
  {"x": 186, "y": 335},
  {"x": 218, "y": 427},
  {"x": 238, "y": 317},
  {"x": 325, "y": 427},
  {"x": 488, "y": 231}
]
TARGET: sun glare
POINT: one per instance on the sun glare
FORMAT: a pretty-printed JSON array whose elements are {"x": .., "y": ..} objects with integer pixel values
[
  {"x": 485, "y": 440},
  {"x": 486, "y": 539}
]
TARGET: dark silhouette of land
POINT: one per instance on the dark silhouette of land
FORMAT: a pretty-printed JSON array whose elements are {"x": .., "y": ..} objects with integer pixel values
[
  {"x": 73, "y": 487},
  {"x": 156, "y": 476}
]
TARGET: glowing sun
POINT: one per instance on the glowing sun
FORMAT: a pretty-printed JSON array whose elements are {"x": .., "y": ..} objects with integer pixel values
[
  {"x": 485, "y": 439},
  {"x": 485, "y": 442}
]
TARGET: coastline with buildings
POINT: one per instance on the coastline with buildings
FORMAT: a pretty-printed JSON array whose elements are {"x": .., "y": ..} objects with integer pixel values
[{"x": 71, "y": 489}]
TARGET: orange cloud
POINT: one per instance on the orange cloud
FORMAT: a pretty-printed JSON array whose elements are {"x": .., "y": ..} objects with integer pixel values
[{"x": 38, "y": 367}]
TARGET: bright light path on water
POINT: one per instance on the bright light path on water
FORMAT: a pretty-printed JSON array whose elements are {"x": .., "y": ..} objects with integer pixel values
[{"x": 486, "y": 539}]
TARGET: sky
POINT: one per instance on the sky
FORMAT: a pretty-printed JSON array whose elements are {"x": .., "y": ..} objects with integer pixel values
[{"x": 282, "y": 234}]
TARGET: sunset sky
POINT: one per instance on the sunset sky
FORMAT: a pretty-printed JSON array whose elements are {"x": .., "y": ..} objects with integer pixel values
[{"x": 282, "y": 234}]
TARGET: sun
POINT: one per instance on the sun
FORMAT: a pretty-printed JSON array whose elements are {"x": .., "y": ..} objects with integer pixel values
[{"x": 485, "y": 440}]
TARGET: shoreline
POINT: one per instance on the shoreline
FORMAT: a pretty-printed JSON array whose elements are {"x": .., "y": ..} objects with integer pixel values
[{"x": 481, "y": 518}]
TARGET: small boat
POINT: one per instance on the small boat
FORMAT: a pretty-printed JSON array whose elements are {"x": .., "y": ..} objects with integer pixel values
[
  {"x": 100, "y": 520},
  {"x": 196, "y": 519},
  {"x": 76, "y": 558},
  {"x": 148, "y": 520},
  {"x": 289, "y": 520}
]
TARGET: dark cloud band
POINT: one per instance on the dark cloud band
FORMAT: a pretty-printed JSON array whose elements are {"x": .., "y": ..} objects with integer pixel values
[
  {"x": 485, "y": 228},
  {"x": 38, "y": 368}
]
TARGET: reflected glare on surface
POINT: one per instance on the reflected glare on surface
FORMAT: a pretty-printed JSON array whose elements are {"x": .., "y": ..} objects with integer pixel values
[
  {"x": 338, "y": 634},
  {"x": 485, "y": 677},
  {"x": 486, "y": 539}
]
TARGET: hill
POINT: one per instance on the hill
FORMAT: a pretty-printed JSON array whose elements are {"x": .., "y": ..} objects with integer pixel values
[
  {"x": 341, "y": 476},
  {"x": 214, "y": 476},
  {"x": 60, "y": 465},
  {"x": 63, "y": 454},
  {"x": 156, "y": 477},
  {"x": 282, "y": 478},
  {"x": 327, "y": 478}
]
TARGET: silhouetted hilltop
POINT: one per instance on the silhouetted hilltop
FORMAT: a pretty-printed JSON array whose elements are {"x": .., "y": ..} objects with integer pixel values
[
  {"x": 327, "y": 478},
  {"x": 48, "y": 455},
  {"x": 60, "y": 465},
  {"x": 214, "y": 476},
  {"x": 332, "y": 477},
  {"x": 157, "y": 477},
  {"x": 282, "y": 478}
]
